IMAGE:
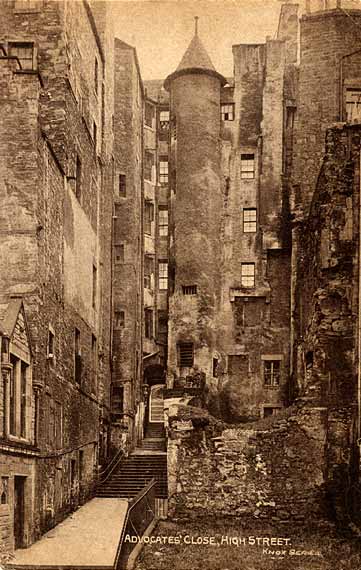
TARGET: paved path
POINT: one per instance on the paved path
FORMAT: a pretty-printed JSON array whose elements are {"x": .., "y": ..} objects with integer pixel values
[{"x": 88, "y": 538}]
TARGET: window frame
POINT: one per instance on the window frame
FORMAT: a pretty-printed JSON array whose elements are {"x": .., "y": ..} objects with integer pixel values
[
  {"x": 225, "y": 114},
  {"x": 354, "y": 104},
  {"x": 247, "y": 166},
  {"x": 163, "y": 221},
  {"x": 23, "y": 45},
  {"x": 163, "y": 274},
  {"x": 163, "y": 170},
  {"x": 249, "y": 225},
  {"x": 248, "y": 279},
  {"x": 184, "y": 359}
]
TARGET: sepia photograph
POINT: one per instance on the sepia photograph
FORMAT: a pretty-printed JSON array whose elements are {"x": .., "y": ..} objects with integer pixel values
[{"x": 180, "y": 284}]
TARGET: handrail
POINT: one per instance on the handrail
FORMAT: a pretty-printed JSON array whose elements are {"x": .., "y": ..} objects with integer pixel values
[
  {"x": 103, "y": 475},
  {"x": 132, "y": 504}
]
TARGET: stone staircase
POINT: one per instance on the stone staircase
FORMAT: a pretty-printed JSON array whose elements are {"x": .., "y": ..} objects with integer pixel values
[{"x": 139, "y": 468}]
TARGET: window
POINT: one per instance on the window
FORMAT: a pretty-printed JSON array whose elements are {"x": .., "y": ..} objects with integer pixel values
[
  {"x": 118, "y": 254},
  {"x": 23, "y": 386},
  {"x": 18, "y": 389},
  {"x": 117, "y": 399},
  {"x": 163, "y": 170},
  {"x": 269, "y": 410},
  {"x": 249, "y": 220},
  {"x": 149, "y": 114},
  {"x": 271, "y": 372},
  {"x": 13, "y": 395},
  {"x": 96, "y": 75},
  {"x": 353, "y": 105},
  {"x": 4, "y": 490},
  {"x": 163, "y": 275},
  {"x": 27, "y": 5},
  {"x": 119, "y": 319},
  {"x": 122, "y": 186},
  {"x": 215, "y": 368},
  {"x": 148, "y": 216},
  {"x": 94, "y": 286},
  {"x": 58, "y": 426},
  {"x": 148, "y": 271},
  {"x": 189, "y": 289},
  {"x": 247, "y": 274},
  {"x": 163, "y": 220},
  {"x": 186, "y": 354},
  {"x": 24, "y": 51},
  {"x": 51, "y": 347},
  {"x": 148, "y": 165},
  {"x": 77, "y": 356},
  {"x": 164, "y": 120},
  {"x": 247, "y": 166},
  {"x": 148, "y": 323},
  {"x": 78, "y": 179},
  {"x": 227, "y": 112}
]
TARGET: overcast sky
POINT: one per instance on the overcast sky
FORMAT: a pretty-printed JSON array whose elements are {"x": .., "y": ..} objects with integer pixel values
[{"x": 161, "y": 30}]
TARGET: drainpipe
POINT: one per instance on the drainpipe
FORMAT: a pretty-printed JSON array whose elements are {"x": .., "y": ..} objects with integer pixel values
[{"x": 359, "y": 319}]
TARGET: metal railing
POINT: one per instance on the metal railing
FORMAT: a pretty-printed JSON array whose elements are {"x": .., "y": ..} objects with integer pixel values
[
  {"x": 103, "y": 475},
  {"x": 140, "y": 515}
]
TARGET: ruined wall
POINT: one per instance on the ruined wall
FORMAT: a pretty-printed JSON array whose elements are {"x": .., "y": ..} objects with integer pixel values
[
  {"x": 273, "y": 472},
  {"x": 327, "y": 304},
  {"x": 325, "y": 38}
]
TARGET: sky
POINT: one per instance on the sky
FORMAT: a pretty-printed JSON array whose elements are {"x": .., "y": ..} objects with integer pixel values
[{"x": 161, "y": 30}]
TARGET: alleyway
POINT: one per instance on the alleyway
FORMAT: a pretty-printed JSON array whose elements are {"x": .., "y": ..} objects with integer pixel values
[{"x": 87, "y": 539}]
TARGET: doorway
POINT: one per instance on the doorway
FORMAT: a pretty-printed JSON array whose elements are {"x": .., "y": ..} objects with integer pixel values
[
  {"x": 156, "y": 404},
  {"x": 19, "y": 510}
]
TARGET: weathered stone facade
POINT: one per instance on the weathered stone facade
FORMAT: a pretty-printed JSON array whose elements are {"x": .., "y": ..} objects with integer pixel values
[{"x": 56, "y": 195}]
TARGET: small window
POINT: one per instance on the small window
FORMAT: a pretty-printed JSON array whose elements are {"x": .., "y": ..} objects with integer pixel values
[
  {"x": 189, "y": 289},
  {"x": 215, "y": 368},
  {"x": 247, "y": 166},
  {"x": 117, "y": 399},
  {"x": 164, "y": 120},
  {"x": 51, "y": 348},
  {"x": 119, "y": 253},
  {"x": 149, "y": 114},
  {"x": 353, "y": 105},
  {"x": 249, "y": 220},
  {"x": 4, "y": 490},
  {"x": 227, "y": 112},
  {"x": 186, "y": 354},
  {"x": 163, "y": 220},
  {"x": 163, "y": 275},
  {"x": 270, "y": 410},
  {"x": 163, "y": 170},
  {"x": 148, "y": 216},
  {"x": 272, "y": 372},
  {"x": 148, "y": 165},
  {"x": 119, "y": 320},
  {"x": 96, "y": 75},
  {"x": 94, "y": 287},
  {"x": 122, "y": 187},
  {"x": 78, "y": 181},
  {"x": 148, "y": 323},
  {"x": 148, "y": 271},
  {"x": 247, "y": 274},
  {"x": 24, "y": 51}
]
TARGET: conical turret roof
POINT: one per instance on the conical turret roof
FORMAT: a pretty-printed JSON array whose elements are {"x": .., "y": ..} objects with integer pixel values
[{"x": 195, "y": 60}]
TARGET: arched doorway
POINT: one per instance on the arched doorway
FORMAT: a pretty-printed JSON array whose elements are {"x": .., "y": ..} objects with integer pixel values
[{"x": 156, "y": 404}]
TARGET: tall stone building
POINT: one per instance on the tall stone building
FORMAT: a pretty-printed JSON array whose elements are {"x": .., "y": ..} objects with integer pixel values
[{"x": 55, "y": 266}]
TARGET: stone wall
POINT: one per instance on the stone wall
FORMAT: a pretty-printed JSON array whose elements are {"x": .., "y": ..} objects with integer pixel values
[{"x": 274, "y": 472}]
